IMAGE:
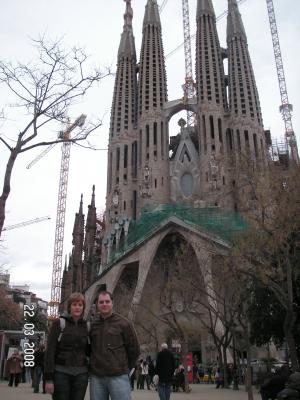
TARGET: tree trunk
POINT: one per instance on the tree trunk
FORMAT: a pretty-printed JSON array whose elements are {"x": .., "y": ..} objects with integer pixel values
[
  {"x": 6, "y": 185},
  {"x": 289, "y": 323},
  {"x": 249, "y": 371},
  {"x": 225, "y": 374}
]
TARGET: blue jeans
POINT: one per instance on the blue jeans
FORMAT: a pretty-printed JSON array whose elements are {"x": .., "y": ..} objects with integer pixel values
[
  {"x": 164, "y": 391},
  {"x": 117, "y": 387},
  {"x": 69, "y": 387},
  {"x": 37, "y": 375}
]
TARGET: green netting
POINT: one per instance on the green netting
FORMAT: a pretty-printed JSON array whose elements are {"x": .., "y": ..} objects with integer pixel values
[{"x": 218, "y": 222}]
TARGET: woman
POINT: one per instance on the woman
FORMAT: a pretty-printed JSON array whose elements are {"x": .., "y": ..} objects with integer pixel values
[
  {"x": 66, "y": 371},
  {"x": 14, "y": 368}
]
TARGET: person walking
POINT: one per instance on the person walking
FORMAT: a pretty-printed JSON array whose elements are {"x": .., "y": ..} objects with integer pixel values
[
  {"x": 38, "y": 371},
  {"x": 114, "y": 352},
  {"x": 165, "y": 367},
  {"x": 14, "y": 368},
  {"x": 66, "y": 370}
]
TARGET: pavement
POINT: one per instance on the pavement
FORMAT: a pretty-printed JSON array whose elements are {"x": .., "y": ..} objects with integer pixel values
[{"x": 201, "y": 391}]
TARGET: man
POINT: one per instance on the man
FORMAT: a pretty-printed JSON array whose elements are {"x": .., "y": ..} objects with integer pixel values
[
  {"x": 38, "y": 371},
  {"x": 114, "y": 352},
  {"x": 165, "y": 367}
]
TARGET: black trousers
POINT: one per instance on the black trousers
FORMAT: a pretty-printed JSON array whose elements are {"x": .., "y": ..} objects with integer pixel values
[
  {"x": 69, "y": 387},
  {"x": 14, "y": 378}
]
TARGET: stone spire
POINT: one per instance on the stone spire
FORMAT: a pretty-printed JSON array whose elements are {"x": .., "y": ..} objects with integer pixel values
[
  {"x": 151, "y": 16},
  {"x": 243, "y": 94},
  {"x": 89, "y": 242},
  {"x": 212, "y": 102},
  {"x": 246, "y": 133},
  {"x": 153, "y": 129},
  {"x": 127, "y": 44},
  {"x": 205, "y": 7},
  {"x": 209, "y": 63},
  {"x": 123, "y": 118},
  {"x": 79, "y": 222},
  {"x": 235, "y": 26},
  {"x": 121, "y": 176}
]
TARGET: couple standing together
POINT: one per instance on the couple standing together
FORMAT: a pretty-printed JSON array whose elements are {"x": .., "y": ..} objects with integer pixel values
[{"x": 111, "y": 343}]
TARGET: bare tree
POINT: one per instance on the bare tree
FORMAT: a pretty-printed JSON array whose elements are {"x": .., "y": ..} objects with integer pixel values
[
  {"x": 269, "y": 250},
  {"x": 43, "y": 93}
]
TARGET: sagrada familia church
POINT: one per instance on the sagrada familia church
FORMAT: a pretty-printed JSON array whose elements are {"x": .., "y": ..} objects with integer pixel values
[{"x": 167, "y": 191}]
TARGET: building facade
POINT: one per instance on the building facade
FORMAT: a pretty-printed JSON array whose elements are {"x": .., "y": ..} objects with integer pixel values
[{"x": 165, "y": 192}]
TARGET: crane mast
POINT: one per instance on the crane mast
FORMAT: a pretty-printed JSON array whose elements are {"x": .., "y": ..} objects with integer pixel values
[
  {"x": 189, "y": 85},
  {"x": 60, "y": 218},
  {"x": 285, "y": 108}
]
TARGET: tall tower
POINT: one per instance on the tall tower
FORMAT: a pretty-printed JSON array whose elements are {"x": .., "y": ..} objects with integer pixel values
[
  {"x": 89, "y": 263},
  {"x": 246, "y": 133},
  {"x": 122, "y": 147},
  {"x": 212, "y": 103},
  {"x": 153, "y": 131},
  {"x": 78, "y": 235}
]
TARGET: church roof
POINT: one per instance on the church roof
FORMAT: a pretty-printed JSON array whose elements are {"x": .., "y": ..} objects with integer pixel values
[{"x": 213, "y": 221}]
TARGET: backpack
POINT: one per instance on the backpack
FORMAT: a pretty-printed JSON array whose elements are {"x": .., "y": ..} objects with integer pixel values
[{"x": 62, "y": 324}]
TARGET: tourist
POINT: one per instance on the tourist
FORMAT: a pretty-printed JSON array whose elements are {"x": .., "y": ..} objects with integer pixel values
[
  {"x": 66, "y": 370},
  {"x": 14, "y": 368},
  {"x": 165, "y": 367},
  {"x": 114, "y": 352}
]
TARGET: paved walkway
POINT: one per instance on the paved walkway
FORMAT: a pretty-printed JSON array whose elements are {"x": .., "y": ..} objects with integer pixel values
[{"x": 199, "y": 392}]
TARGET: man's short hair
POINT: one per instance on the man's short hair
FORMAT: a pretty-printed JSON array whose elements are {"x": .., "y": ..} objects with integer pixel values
[
  {"x": 164, "y": 346},
  {"x": 105, "y": 292}
]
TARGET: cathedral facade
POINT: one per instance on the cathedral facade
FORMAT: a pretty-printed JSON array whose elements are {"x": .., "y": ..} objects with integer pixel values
[{"x": 165, "y": 191}]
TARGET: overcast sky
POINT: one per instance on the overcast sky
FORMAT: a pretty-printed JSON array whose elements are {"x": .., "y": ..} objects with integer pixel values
[{"x": 96, "y": 25}]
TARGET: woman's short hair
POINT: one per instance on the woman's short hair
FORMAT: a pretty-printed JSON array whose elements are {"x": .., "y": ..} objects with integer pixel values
[{"x": 74, "y": 297}]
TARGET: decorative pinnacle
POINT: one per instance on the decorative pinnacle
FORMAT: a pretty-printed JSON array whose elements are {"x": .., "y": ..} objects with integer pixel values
[
  {"x": 205, "y": 7},
  {"x": 81, "y": 204},
  {"x": 151, "y": 16},
  {"x": 128, "y": 14},
  {"x": 93, "y": 194},
  {"x": 235, "y": 26}
]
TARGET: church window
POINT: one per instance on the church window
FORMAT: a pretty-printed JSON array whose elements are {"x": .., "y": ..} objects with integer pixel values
[
  {"x": 118, "y": 159},
  {"x": 155, "y": 133},
  {"x": 186, "y": 184},
  {"x": 147, "y": 136},
  {"x": 125, "y": 155}
]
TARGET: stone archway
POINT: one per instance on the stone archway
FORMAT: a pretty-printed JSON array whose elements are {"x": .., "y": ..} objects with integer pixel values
[{"x": 167, "y": 291}]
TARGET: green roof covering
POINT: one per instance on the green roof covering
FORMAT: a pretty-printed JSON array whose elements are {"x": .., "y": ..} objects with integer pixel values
[{"x": 215, "y": 221}]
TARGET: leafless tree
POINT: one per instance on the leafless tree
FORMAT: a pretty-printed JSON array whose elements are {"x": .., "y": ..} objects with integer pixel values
[
  {"x": 269, "y": 250},
  {"x": 43, "y": 93}
]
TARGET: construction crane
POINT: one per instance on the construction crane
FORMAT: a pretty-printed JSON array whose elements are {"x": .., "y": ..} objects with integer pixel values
[
  {"x": 162, "y": 6},
  {"x": 60, "y": 217},
  {"x": 192, "y": 37},
  {"x": 189, "y": 86},
  {"x": 25, "y": 223},
  {"x": 285, "y": 108}
]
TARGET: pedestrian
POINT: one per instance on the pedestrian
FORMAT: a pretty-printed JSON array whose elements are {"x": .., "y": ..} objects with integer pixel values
[
  {"x": 14, "y": 368},
  {"x": 139, "y": 374},
  {"x": 145, "y": 375},
  {"x": 151, "y": 371},
  {"x": 114, "y": 352},
  {"x": 218, "y": 378},
  {"x": 38, "y": 371},
  {"x": 66, "y": 370},
  {"x": 165, "y": 367}
]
